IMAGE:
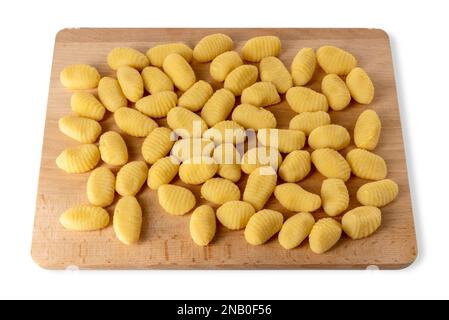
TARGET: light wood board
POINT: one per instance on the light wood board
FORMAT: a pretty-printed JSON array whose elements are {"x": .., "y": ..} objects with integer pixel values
[{"x": 165, "y": 241}]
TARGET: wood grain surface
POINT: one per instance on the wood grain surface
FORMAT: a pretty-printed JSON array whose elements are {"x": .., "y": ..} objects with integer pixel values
[{"x": 165, "y": 241}]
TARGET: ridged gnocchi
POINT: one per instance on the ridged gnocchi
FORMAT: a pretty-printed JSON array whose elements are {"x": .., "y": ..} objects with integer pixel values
[
  {"x": 335, "y": 196},
  {"x": 85, "y": 218},
  {"x": 259, "y": 157},
  {"x": 113, "y": 149},
  {"x": 78, "y": 159},
  {"x": 228, "y": 159},
  {"x": 324, "y": 235},
  {"x": 179, "y": 71},
  {"x": 335, "y": 60},
  {"x": 175, "y": 200},
  {"x": 157, "y": 54},
  {"x": 336, "y": 92},
  {"x": 157, "y": 105},
  {"x": 331, "y": 136},
  {"x": 218, "y": 107},
  {"x": 284, "y": 140},
  {"x": 133, "y": 122},
  {"x": 367, "y": 130},
  {"x": 257, "y": 48},
  {"x": 162, "y": 172},
  {"x": 294, "y": 198},
  {"x": 203, "y": 225},
  {"x": 361, "y": 222},
  {"x": 197, "y": 170},
  {"x": 296, "y": 166},
  {"x": 127, "y": 220},
  {"x": 192, "y": 148},
  {"x": 130, "y": 178},
  {"x": 220, "y": 190},
  {"x": 308, "y": 121},
  {"x": 81, "y": 129},
  {"x": 226, "y": 131},
  {"x": 111, "y": 94},
  {"x": 303, "y": 66},
  {"x": 378, "y": 193},
  {"x": 331, "y": 164},
  {"x": 235, "y": 215},
  {"x": 367, "y": 165},
  {"x": 79, "y": 77},
  {"x": 125, "y": 56},
  {"x": 157, "y": 144},
  {"x": 251, "y": 117},
  {"x": 155, "y": 80},
  {"x": 223, "y": 64},
  {"x": 209, "y": 47},
  {"x": 131, "y": 83},
  {"x": 261, "y": 94},
  {"x": 87, "y": 105},
  {"x": 241, "y": 78},
  {"x": 295, "y": 230},
  {"x": 360, "y": 86},
  {"x": 186, "y": 123},
  {"x": 302, "y": 99},
  {"x": 101, "y": 187},
  {"x": 196, "y": 96},
  {"x": 263, "y": 225},
  {"x": 273, "y": 70},
  {"x": 259, "y": 187}
]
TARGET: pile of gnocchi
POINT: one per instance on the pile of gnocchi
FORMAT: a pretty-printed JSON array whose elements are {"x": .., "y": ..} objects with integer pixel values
[{"x": 213, "y": 138}]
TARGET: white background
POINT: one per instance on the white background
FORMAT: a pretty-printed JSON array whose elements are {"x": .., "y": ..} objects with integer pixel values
[{"x": 418, "y": 31}]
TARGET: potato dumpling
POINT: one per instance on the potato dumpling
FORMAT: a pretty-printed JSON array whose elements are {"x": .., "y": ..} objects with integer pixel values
[
  {"x": 79, "y": 77},
  {"x": 257, "y": 48},
  {"x": 209, "y": 47}
]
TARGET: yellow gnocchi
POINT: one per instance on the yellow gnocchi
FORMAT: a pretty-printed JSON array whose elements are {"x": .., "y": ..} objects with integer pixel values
[
  {"x": 175, "y": 200},
  {"x": 197, "y": 170},
  {"x": 263, "y": 225},
  {"x": 324, "y": 235},
  {"x": 331, "y": 136},
  {"x": 157, "y": 105},
  {"x": 155, "y": 80},
  {"x": 294, "y": 198},
  {"x": 78, "y": 159},
  {"x": 133, "y": 122},
  {"x": 223, "y": 64},
  {"x": 111, "y": 95},
  {"x": 336, "y": 92},
  {"x": 196, "y": 96},
  {"x": 79, "y": 77},
  {"x": 220, "y": 190},
  {"x": 335, "y": 60},
  {"x": 87, "y": 105},
  {"x": 240, "y": 78},
  {"x": 228, "y": 159},
  {"x": 367, "y": 165},
  {"x": 284, "y": 140},
  {"x": 192, "y": 148},
  {"x": 127, "y": 220},
  {"x": 295, "y": 230},
  {"x": 203, "y": 225},
  {"x": 131, "y": 83},
  {"x": 261, "y": 94},
  {"x": 162, "y": 172},
  {"x": 302, "y": 99},
  {"x": 308, "y": 121},
  {"x": 124, "y": 56},
  {"x": 81, "y": 129},
  {"x": 361, "y": 222},
  {"x": 251, "y": 117},
  {"x": 85, "y": 218},
  {"x": 296, "y": 166},
  {"x": 218, "y": 107},
  {"x": 259, "y": 187},
  {"x": 335, "y": 196},
  {"x": 235, "y": 215},
  {"x": 303, "y": 66},
  {"x": 273, "y": 70},
  {"x": 130, "y": 178},
  {"x": 259, "y": 157},
  {"x": 360, "y": 86},
  {"x": 101, "y": 187},
  {"x": 257, "y": 48},
  {"x": 179, "y": 71},
  {"x": 157, "y": 144},
  {"x": 157, "y": 54},
  {"x": 209, "y": 47},
  {"x": 226, "y": 131},
  {"x": 113, "y": 149},
  {"x": 331, "y": 164},
  {"x": 378, "y": 193},
  {"x": 186, "y": 123},
  {"x": 367, "y": 130}
]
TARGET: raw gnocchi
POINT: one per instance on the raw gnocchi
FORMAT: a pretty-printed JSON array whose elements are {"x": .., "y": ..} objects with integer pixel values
[
  {"x": 127, "y": 220},
  {"x": 257, "y": 48},
  {"x": 131, "y": 83},
  {"x": 111, "y": 94},
  {"x": 284, "y": 140},
  {"x": 157, "y": 54},
  {"x": 157, "y": 144},
  {"x": 241, "y": 78},
  {"x": 81, "y": 129},
  {"x": 157, "y": 105},
  {"x": 133, "y": 122},
  {"x": 378, "y": 193},
  {"x": 179, "y": 71},
  {"x": 335, "y": 60},
  {"x": 367, "y": 165},
  {"x": 162, "y": 172},
  {"x": 331, "y": 164},
  {"x": 235, "y": 215},
  {"x": 186, "y": 123},
  {"x": 130, "y": 178},
  {"x": 360, "y": 86},
  {"x": 308, "y": 121},
  {"x": 228, "y": 159},
  {"x": 361, "y": 222},
  {"x": 175, "y": 200},
  {"x": 223, "y": 64},
  {"x": 155, "y": 80},
  {"x": 197, "y": 170},
  {"x": 226, "y": 131},
  {"x": 196, "y": 96},
  {"x": 79, "y": 77},
  {"x": 124, "y": 56},
  {"x": 336, "y": 92},
  {"x": 192, "y": 148},
  {"x": 324, "y": 235},
  {"x": 259, "y": 157},
  {"x": 295, "y": 230},
  {"x": 294, "y": 198},
  {"x": 251, "y": 117},
  {"x": 367, "y": 130},
  {"x": 296, "y": 166},
  {"x": 335, "y": 196},
  {"x": 218, "y": 107},
  {"x": 261, "y": 94},
  {"x": 85, "y": 218},
  {"x": 303, "y": 66},
  {"x": 101, "y": 187},
  {"x": 209, "y": 47},
  {"x": 302, "y": 99},
  {"x": 263, "y": 225},
  {"x": 87, "y": 105},
  {"x": 273, "y": 70},
  {"x": 78, "y": 159},
  {"x": 331, "y": 136},
  {"x": 113, "y": 149},
  {"x": 259, "y": 187},
  {"x": 220, "y": 191},
  {"x": 203, "y": 225}
]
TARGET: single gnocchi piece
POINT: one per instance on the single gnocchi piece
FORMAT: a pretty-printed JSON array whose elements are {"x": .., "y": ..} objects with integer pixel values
[
  {"x": 157, "y": 144},
  {"x": 226, "y": 131},
  {"x": 162, "y": 172},
  {"x": 133, "y": 122},
  {"x": 367, "y": 130},
  {"x": 85, "y": 218},
  {"x": 127, "y": 220},
  {"x": 335, "y": 196},
  {"x": 113, "y": 149},
  {"x": 361, "y": 222},
  {"x": 111, "y": 95},
  {"x": 308, "y": 121},
  {"x": 218, "y": 107},
  {"x": 335, "y": 60},
  {"x": 240, "y": 78},
  {"x": 87, "y": 105},
  {"x": 273, "y": 70},
  {"x": 302, "y": 99},
  {"x": 196, "y": 96},
  {"x": 78, "y": 159},
  {"x": 179, "y": 71},
  {"x": 228, "y": 159},
  {"x": 260, "y": 157},
  {"x": 324, "y": 235},
  {"x": 175, "y": 200},
  {"x": 155, "y": 80},
  {"x": 295, "y": 230},
  {"x": 209, "y": 47},
  {"x": 263, "y": 225},
  {"x": 251, "y": 117},
  {"x": 157, "y": 54},
  {"x": 259, "y": 187},
  {"x": 378, "y": 193},
  {"x": 261, "y": 94},
  {"x": 101, "y": 187},
  {"x": 336, "y": 92},
  {"x": 81, "y": 129},
  {"x": 284, "y": 140},
  {"x": 131, "y": 83},
  {"x": 331, "y": 136},
  {"x": 197, "y": 170},
  {"x": 294, "y": 198},
  {"x": 331, "y": 164},
  {"x": 186, "y": 123},
  {"x": 157, "y": 105},
  {"x": 223, "y": 64},
  {"x": 79, "y": 77},
  {"x": 220, "y": 190},
  {"x": 360, "y": 86},
  {"x": 235, "y": 215},
  {"x": 303, "y": 66},
  {"x": 257, "y": 48},
  {"x": 296, "y": 166},
  {"x": 203, "y": 225},
  {"x": 130, "y": 178},
  {"x": 192, "y": 148},
  {"x": 125, "y": 56},
  {"x": 367, "y": 165}
]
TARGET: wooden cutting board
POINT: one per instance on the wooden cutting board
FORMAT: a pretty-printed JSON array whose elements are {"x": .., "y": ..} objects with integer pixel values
[{"x": 165, "y": 241}]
